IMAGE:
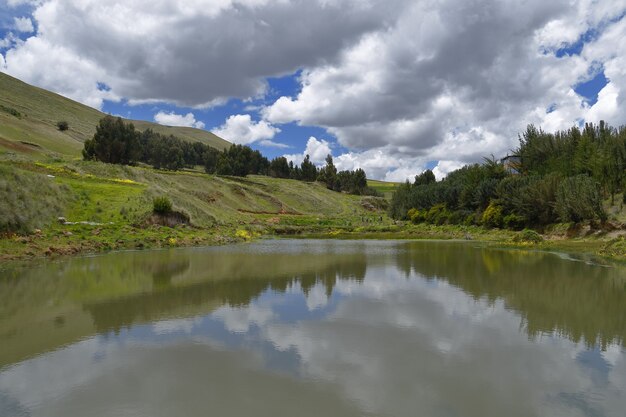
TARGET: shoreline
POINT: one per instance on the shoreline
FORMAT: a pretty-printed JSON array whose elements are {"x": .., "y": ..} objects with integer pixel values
[{"x": 56, "y": 244}]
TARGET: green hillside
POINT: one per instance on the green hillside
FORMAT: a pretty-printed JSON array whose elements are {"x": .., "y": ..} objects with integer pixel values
[
  {"x": 106, "y": 206},
  {"x": 28, "y": 118}
]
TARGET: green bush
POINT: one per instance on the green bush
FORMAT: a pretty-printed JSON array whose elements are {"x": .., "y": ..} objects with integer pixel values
[
  {"x": 162, "y": 205},
  {"x": 63, "y": 125},
  {"x": 11, "y": 111},
  {"x": 437, "y": 214},
  {"x": 492, "y": 216},
  {"x": 513, "y": 221},
  {"x": 578, "y": 199},
  {"x": 528, "y": 235},
  {"x": 459, "y": 216},
  {"x": 416, "y": 216}
]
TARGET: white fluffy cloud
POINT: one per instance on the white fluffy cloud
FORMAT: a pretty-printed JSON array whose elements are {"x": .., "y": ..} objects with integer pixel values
[
  {"x": 241, "y": 129},
  {"x": 173, "y": 119},
  {"x": 193, "y": 53},
  {"x": 317, "y": 149},
  {"x": 457, "y": 81},
  {"x": 399, "y": 83},
  {"x": 23, "y": 24}
]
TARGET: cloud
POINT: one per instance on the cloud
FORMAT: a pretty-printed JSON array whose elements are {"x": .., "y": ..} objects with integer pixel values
[
  {"x": 272, "y": 144},
  {"x": 173, "y": 119},
  {"x": 459, "y": 80},
  {"x": 23, "y": 24},
  {"x": 316, "y": 149},
  {"x": 241, "y": 129},
  {"x": 193, "y": 53},
  {"x": 397, "y": 82},
  {"x": 15, "y": 3}
]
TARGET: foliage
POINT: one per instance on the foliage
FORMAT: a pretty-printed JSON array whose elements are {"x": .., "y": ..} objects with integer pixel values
[
  {"x": 114, "y": 142},
  {"x": 308, "y": 170},
  {"x": 63, "y": 125},
  {"x": 492, "y": 216},
  {"x": 437, "y": 214},
  {"x": 279, "y": 168},
  {"x": 513, "y": 221},
  {"x": 528, "y": 235},
  {"x": 162, "y": 205},
  {"x": 328, "y": 173},
  {"x": 559, "y": 177},
  {"x": 11, "y": 111},
  {"x": 578, "y": 199}
]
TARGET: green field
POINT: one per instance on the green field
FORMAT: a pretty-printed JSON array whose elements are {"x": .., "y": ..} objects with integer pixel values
[{"x": 383, "y": 187}]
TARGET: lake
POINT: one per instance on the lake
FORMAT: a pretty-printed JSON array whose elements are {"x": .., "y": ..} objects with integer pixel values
[{"x": 314, "y": 328}]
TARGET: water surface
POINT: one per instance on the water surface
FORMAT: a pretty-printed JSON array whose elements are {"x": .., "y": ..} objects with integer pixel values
[{"x": 312, "y": 328}]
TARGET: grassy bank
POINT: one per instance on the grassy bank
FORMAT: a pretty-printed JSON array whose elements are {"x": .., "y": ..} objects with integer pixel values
[{"x": 107, "y": 207}]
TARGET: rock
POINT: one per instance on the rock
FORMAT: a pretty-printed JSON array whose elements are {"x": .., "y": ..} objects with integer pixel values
[
  {"x": 38, "y": 232},
  {"x": 66, "y": 233},
  {"x": 62, "y": 220}
]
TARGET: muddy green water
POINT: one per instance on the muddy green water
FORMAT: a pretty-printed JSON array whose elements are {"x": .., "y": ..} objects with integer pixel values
[{"x": 314, "y": 328}]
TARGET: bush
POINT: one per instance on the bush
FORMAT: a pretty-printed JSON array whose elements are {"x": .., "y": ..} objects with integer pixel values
[
  {"x": 63, "y": 125},
  {"x": 459, "y": 216},
  {"x": 492, "y": 216},
  {"x": 513, "y": 221},
  {"x": 578, "y": 199},
  {"x": 162, "y": 205},
  {"x": 416, "y": 216},
  {"x": 11, "y": 111},
  {"x": 438, "y": 214},
  {"x": 528, "y": 235}
]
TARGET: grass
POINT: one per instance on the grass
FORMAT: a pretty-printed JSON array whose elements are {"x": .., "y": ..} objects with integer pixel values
[
  {"x": 383, "y": 187},
  {"x": 42, "y": 177},
  {"x": 41, "y": 110},
  {"x": 118, "y": 200}
]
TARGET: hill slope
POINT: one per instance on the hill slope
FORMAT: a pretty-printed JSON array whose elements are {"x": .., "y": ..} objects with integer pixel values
[{"x": 28, "y": 118}]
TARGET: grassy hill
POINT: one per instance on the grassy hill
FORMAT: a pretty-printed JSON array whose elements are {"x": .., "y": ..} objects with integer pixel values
[
  {"x": 42, "y": 177},
  {"x": 108, "y": 206},
  {"x": 28, "y": 118}
]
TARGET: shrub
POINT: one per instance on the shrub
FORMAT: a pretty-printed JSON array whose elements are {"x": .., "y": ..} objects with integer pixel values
[
  {"x": 63, "y": 125},
  {"x": 578, "y": 199},
  {"x": 528, "y": 235},
  {"x": 11, "y": 111},
  {"x": 162, "y": 205},
  {"x": 416, "y": 216},
  {"x": 437, "y": 214},
  {"x": 513, "y": 221},
  {"x": 459, "y": 216},
  {"x": 492, "y": 216}
]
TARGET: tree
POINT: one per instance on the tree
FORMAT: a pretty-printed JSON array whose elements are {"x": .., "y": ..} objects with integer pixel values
[
  {"x": 308, "y": 170},
  {"x": 328, "y": 174},
  {"x": 279, "y": 168},
  {"x": 114, "y": 142},
  {"x": 578, "y": 199},
  {"x": 424, "y": 178},
  {"x": 63, "y": 125}
]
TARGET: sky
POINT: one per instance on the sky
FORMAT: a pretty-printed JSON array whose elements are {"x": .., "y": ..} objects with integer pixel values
[{"x": 391, "y": 86}]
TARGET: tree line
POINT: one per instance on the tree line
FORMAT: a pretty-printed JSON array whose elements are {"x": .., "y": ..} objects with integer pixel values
[
  {"x": 553, "y": 177},
  {"x": 117, "y": 142}
]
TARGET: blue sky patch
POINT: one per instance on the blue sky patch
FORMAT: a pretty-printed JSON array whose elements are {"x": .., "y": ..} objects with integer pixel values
[{"x": 589, "y": 89}]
